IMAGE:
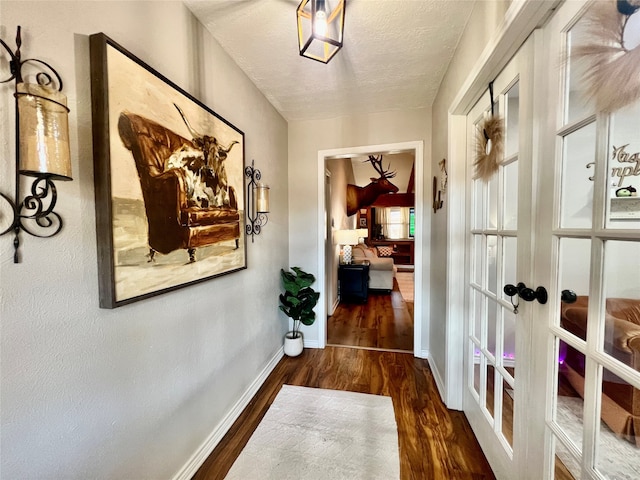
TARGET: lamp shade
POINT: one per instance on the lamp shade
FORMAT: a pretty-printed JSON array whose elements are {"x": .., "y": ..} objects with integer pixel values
[
  {"x": 320, "y": 28},
  {"x": 44, "y": 131},
  {"x": 346, "y": 237}
]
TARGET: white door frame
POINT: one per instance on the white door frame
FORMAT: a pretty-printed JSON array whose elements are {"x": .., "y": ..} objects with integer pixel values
[{"x": 422, "y": 235}]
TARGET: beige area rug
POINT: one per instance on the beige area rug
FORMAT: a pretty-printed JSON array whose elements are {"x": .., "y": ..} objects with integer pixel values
[
  {"x": 618, "y": 459},
  {"x": 405, "y": 283},
  {"x": 313, "y": 433}
]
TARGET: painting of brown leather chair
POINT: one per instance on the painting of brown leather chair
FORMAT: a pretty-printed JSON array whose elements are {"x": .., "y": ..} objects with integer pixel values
[{"x": 175, "y": 221}]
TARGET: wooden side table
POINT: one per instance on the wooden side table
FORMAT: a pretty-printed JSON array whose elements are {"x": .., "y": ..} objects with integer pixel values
[{"x": 353, "y": 281}]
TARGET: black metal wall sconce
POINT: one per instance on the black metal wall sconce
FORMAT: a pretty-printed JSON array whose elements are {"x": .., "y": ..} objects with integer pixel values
[
  {"x": 437, "y": 196},
  {"x": 257, "y": 202},
  {"x": 42, "y": 147}
]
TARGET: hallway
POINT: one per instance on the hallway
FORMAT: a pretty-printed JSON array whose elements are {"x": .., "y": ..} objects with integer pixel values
[
  {"x": 435, "y": 443},
  {"x": 384, "y": 322}
]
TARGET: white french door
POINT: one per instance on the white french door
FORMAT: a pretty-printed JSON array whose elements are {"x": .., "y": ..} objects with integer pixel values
[
  {"x": 588, "y": 257},
  {"x": 553, "y": 392},
  {"x": 498, "y": 241}
]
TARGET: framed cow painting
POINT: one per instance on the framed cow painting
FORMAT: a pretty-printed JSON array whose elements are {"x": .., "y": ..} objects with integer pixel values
[{"x": 168, "y": 178}]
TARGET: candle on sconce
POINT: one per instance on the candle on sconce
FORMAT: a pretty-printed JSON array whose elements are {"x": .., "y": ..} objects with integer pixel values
[{"x": 262, "y": 198}]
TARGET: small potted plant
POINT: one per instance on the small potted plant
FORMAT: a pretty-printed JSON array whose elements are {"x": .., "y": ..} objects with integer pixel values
[{"x": 297, "y": 302}]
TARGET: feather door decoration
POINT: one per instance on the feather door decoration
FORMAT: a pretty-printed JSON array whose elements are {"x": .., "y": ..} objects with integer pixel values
[
  {"x": 611, "y": 75},
  {"x": 489, "y": 147}
]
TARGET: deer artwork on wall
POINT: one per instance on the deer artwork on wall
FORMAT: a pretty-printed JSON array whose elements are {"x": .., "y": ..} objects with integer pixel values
[{"x": 361, "y": 197}]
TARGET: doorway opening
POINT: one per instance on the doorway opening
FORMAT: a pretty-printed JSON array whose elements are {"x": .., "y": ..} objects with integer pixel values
[{"x": 408, "y": 262}]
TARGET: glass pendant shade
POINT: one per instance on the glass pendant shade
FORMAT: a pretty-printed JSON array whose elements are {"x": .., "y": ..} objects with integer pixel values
[
  {"x": 320, "y": 28},
  {"x": 44, "y": 132},
  {"x": 262, "y": 198}
]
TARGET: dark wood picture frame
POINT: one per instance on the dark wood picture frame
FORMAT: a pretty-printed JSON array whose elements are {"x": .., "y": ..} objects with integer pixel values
[{"x": 169, "y": 182}]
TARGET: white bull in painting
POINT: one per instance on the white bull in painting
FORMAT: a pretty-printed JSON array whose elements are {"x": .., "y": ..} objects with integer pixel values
[{"x": 204, "y": 167}]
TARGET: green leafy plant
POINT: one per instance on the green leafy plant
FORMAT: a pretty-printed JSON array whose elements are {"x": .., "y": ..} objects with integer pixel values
[{"x": 299, "y": 298}]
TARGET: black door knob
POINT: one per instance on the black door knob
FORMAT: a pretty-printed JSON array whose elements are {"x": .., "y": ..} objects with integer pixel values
[
  {"x": 541, "y": 295},
  {"x": 568, "y": 296},
  {"x": 510, "y": 290},
  {"x": 527, "y": 294}
]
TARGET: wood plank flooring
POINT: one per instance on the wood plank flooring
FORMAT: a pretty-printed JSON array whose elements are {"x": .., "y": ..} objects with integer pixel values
[
  {"x": 385, "y": 322},
  {"x": 434, "y": 442}
]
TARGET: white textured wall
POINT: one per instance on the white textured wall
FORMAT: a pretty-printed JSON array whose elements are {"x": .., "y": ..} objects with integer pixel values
[
  {"x": 482, "y": 25},
  {"x": 341, "y": 171},
  {"x": 306, "y": 138},
  {"x": 130, "y": 392},
  {"x": 341, "y": 175}
]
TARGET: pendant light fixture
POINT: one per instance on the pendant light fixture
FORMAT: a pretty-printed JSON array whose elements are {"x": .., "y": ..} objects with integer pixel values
[{"x": 320, "y": 28}]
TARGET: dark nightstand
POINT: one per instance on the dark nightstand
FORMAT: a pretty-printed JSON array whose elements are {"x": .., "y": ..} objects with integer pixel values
[{"x": 354, "y": 281}]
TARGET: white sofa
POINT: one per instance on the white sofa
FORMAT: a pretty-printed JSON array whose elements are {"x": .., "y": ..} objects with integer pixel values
[{"x": 381, "y": 269}]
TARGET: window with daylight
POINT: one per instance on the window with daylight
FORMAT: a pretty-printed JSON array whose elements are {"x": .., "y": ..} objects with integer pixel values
[
  {"x": 397, "y": 222},
  {"x": 412, "y": 222}
]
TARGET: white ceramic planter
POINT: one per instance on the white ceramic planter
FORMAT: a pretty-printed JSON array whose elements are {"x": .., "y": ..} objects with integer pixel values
[{"x": 293, "y": 346}]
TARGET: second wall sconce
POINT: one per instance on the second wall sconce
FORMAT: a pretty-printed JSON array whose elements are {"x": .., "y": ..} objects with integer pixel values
[
  {"x": 257, "y": 202},
  {"x": 42, "y": 147}
]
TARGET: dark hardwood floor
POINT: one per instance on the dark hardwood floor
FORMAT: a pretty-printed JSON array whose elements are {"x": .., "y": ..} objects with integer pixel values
[
  {"x": 434, "y": 442},
  {"x": 384, "y": 322}
]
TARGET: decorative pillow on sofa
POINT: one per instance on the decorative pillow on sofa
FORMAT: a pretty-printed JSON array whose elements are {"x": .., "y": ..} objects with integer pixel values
[
  {"x": 360, "y": 252},
  {"x": 370, "y": 253},
  {"x": 385, "y": 251}
]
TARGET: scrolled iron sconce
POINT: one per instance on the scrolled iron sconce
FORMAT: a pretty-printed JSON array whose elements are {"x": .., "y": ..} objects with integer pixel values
[
  {"x": 42, "y": 147},
  {"x": 257, "y": 202}
]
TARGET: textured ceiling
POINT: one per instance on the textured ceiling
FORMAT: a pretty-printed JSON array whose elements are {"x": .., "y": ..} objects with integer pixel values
[{"x": 394, "y": 56}]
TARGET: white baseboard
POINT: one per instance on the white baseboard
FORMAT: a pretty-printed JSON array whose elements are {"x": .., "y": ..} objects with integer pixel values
[
  {"x": 438, "y": 379},
  {"x": 424, "y": 354},
  {"x": 336, "y": 302},
  {"x": 311, "y": 344},
  {"x": 197, "y": 459}
]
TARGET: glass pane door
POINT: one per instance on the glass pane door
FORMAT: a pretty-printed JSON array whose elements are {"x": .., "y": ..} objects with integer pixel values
[
  {"x": 494, "y": 232},
  {"x": 589, "y": 250}
]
